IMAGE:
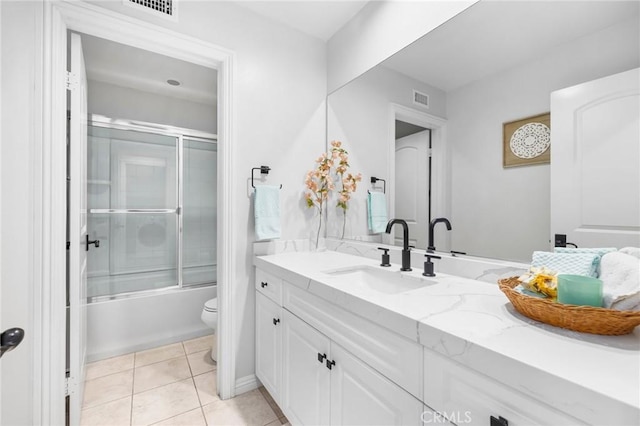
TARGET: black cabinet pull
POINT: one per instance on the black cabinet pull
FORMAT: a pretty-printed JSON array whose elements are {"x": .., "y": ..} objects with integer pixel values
[
  {"x": 276, "y": 321},
  {"x": 330, "y": 364},
  {"x": 500, "y": 421},
  {"x": 263, "y": 284},
  {"x": 321, "y": 357}
]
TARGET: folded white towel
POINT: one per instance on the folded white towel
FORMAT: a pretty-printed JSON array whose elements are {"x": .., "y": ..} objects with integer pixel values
[
  {"x": 620, "y": 275},
  {"x": 633, "y": 251}
]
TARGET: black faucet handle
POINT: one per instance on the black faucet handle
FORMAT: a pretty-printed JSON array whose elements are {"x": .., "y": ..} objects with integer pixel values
[
  {"x": 454, "y": 252},
  {"x": 385, "y": 257},
  {"x": 431, "y": 256}
]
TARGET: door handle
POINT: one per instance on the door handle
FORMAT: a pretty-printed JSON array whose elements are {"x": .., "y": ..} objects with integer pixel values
[
  {"x": 10, "y": 339},
  {"x": 94, "y": 242}
]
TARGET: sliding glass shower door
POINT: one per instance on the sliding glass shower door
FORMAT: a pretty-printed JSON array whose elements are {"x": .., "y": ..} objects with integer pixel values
[{"x": 152, "y": 206}]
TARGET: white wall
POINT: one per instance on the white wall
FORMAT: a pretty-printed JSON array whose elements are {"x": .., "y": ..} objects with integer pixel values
[
  {"x": 280, "y": 89},
  {"x": 280, "y": 121},
  {"x": 381, "y": 29},
  {"x": 359, "y": 116},
  {"x": 504, "y": 213},
  {"x": 122, "y": 102},
  {"x": 20, "y": 46}
]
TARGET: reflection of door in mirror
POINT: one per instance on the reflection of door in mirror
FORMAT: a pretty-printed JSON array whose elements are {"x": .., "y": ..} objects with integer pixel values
[
  {"x": 595, "y": 166},
  {"x": 412, "y": 182}
]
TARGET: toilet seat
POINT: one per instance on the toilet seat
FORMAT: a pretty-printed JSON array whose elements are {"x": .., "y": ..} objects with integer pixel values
[{"x": 211, "y": 305}]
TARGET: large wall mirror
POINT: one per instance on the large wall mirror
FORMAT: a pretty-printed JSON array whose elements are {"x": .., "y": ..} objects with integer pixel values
[{"x": 448, "y": 95}]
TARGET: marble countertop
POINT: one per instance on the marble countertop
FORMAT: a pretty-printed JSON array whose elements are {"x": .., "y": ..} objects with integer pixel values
[{"x": 594, "y": 378}]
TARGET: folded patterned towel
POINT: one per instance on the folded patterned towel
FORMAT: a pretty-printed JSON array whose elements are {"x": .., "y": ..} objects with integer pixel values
[
  {"x": 620, "y": 281},
  {"x": 601, "y": 251},
  {"x": 567, "y": 263}
]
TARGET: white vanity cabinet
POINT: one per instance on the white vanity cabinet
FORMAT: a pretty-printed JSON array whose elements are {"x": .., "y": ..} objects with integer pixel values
[
  {"x": 362, "y": 396},
  {"x": 269, "y": 344},
  {"x": 322, "y": 382},
  {"x": 305, "y": 377},
  {"x": 465, "y": 396}
]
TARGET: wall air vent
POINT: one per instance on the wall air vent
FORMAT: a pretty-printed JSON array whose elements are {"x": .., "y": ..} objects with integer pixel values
[
  {"x": 165, "y": 8},
  {"x": 421, "y": 99}
]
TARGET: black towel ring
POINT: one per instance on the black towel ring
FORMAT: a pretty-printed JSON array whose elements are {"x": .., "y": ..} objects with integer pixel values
[
  {"x": 384, "y": 182},
  {"x": 264, "y": 170}
]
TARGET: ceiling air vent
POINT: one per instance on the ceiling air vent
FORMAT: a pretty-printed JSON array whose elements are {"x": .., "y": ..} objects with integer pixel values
[
  {"x": 421, "y": 99},
  {"x": 166, "y": 8}
]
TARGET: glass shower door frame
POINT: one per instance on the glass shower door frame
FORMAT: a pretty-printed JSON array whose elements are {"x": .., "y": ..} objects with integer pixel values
[{"x": 179, "y": 134}]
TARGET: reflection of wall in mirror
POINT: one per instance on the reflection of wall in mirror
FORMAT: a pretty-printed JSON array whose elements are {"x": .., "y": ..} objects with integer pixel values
[
  {"x": 512, "y": 205},
  {"x": 358, "y": 115},
  {"x": 496, "y": 212}
]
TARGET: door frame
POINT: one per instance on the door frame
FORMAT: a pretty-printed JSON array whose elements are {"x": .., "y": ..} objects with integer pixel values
[
  {"x": 50, "y": 186},
  {"x": 440, "y": 160}
]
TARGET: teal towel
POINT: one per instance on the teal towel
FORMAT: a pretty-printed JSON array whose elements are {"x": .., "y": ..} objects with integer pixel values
[
  {"x": 267, "y": 212},
  {"x": 600, "y": 251},
  {"x": 568, "y": 263},
  {"x": 377, "y": 212}
]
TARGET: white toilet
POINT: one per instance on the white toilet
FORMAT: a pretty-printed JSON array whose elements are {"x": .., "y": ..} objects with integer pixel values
[{"x": 210, "y": 318}]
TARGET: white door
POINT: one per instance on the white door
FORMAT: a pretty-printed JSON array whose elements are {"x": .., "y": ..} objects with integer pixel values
[
  {"x": 269, "y": 345},
  {"x": 305, "y": 378},
  {"x": 77, "y": 228},
  {"x": 595, "y": 162},
  {"x": 362, "y": 396},
  {"x": 411, "y": 187}
]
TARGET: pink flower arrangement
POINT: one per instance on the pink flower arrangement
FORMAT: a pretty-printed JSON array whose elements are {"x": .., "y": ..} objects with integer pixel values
[{"x": 320, "y": 182}]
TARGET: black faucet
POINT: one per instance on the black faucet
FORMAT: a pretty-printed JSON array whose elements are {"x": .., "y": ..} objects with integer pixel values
[
  {"x": 433, "y": 223},
  {"x": 406, "y": 254}
]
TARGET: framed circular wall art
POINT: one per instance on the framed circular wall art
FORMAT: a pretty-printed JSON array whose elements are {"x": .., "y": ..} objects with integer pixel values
[{"x": 527, "y": 141}]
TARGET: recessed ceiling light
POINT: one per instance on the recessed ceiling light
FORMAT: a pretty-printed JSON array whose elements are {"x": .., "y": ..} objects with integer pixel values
[{"x": 173, "y": 82}]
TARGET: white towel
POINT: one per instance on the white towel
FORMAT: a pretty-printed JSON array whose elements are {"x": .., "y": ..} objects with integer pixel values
[
  {"x": 620, "y": 275},
  {"x": 633, "y": 251}
]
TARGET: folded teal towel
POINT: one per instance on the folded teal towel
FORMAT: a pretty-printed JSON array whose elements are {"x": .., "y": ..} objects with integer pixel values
[
  {"x": 377, "y": 212},
  {"x": 568, "y": 263},
  {"x": 600, "y": 251},
  {"x": 267, "y": 212}
]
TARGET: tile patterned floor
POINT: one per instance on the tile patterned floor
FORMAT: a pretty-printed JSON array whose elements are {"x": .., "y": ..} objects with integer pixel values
[{"x": 172, "y": 385}]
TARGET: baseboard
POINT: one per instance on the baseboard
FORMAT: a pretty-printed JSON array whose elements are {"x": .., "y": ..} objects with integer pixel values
[{"x": 246, "y": 384}]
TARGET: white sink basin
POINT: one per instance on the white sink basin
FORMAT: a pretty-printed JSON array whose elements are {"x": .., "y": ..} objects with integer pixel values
[{"x": 376, "y": 279}]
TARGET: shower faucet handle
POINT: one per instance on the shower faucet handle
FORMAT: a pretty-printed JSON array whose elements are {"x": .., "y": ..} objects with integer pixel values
[{"x": 94, "y": 242}]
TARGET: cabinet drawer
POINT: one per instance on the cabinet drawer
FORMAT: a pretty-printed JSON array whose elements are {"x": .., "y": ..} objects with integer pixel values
[
  {"x": 464, "y": 396},
  {"x": 269, "y": 285},
  {"x": 397, "y": 358}
]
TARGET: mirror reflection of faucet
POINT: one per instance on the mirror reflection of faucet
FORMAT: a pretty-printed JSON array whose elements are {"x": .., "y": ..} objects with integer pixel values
[
  {"x": 406, "y": 253},
  {"x": 433, "y": 223}
]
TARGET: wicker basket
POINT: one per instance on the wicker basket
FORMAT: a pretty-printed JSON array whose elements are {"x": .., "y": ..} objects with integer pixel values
[{"x": 586, "y": 319}]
